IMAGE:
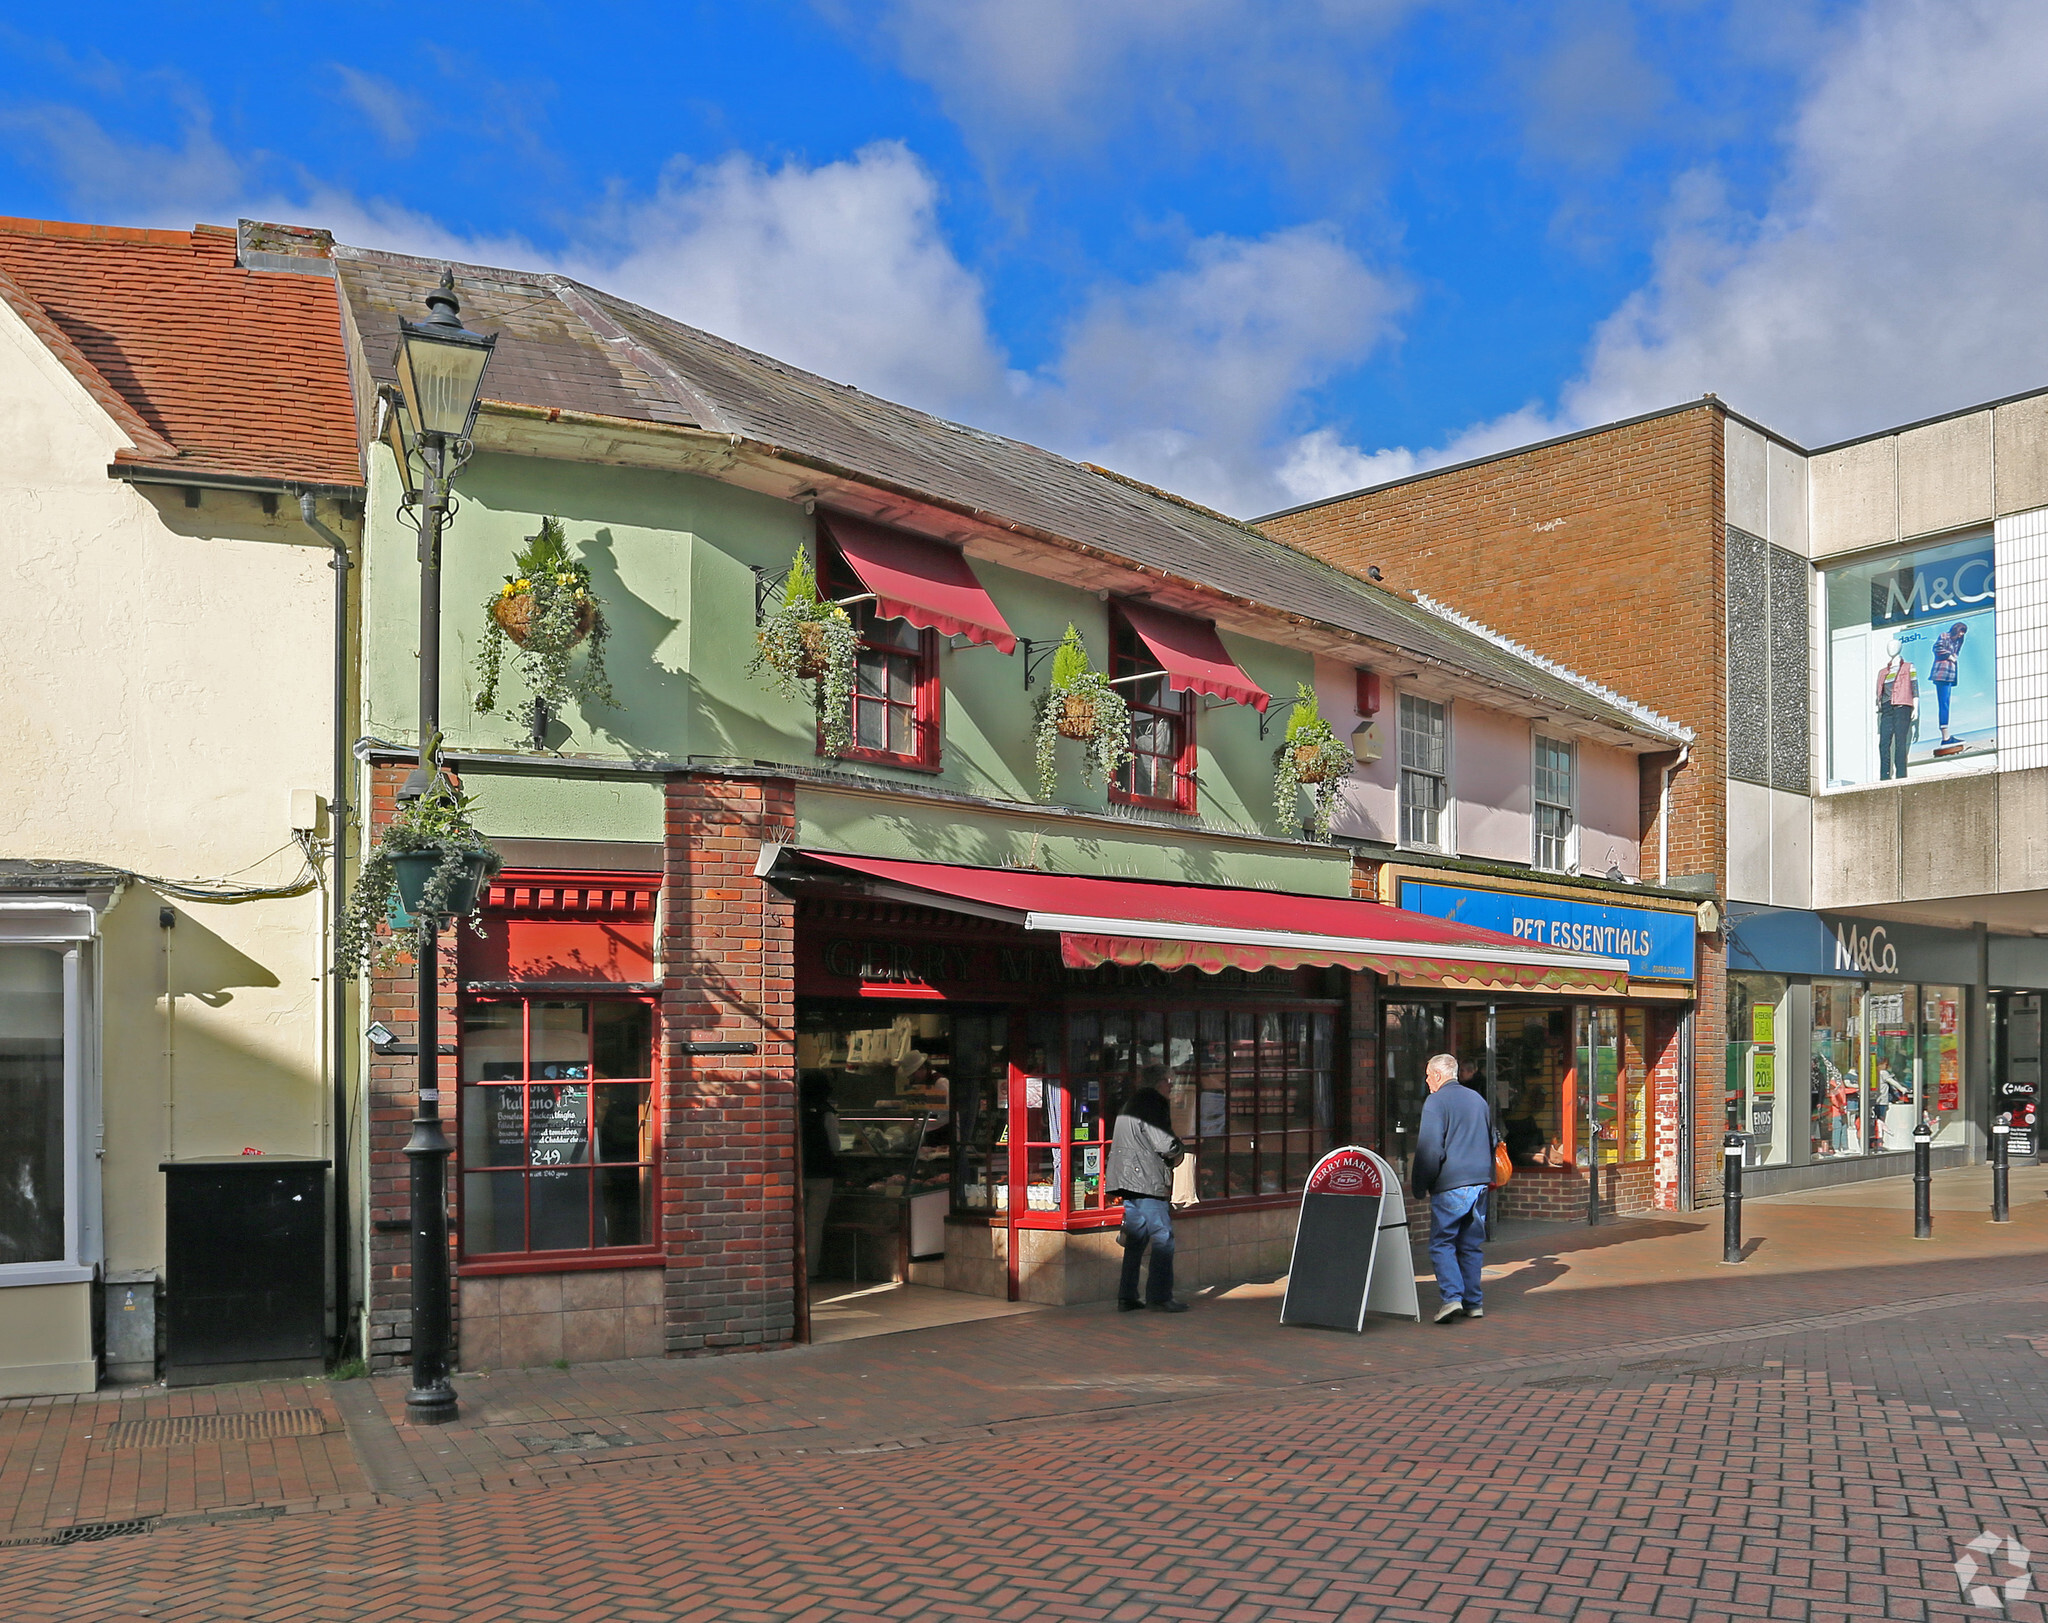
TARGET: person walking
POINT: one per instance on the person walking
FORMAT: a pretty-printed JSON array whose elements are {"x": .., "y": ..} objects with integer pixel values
[
  {"x": 1142, "y": 1155},
  {"x": 1454, "y": 1169}
]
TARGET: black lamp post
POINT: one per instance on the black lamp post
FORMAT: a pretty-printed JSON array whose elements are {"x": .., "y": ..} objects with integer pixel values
[{"x": 440, "y": 369}]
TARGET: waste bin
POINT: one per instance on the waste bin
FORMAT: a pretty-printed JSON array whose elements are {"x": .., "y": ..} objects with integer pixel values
[{"x": 245, "y": 1267}]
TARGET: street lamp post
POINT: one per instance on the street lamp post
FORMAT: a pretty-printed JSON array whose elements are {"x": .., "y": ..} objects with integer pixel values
[{"x": 440, "y": 371}]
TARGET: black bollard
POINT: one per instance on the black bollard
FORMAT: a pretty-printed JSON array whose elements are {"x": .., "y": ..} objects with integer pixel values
[
  {"x": 1731, "y": 1198},
  {"x": 1923, "y": 1181},
  {"x": 2001, "y": 1150}
]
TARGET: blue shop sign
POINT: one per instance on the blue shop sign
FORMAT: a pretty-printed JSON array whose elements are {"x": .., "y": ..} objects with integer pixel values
[{"x": 1657, "y": 944}]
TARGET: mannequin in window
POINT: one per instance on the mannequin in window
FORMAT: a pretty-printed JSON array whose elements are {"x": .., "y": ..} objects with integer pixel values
[
  {"x": 1948, "y": 648},
  {"x": 1898, "y": 708}
]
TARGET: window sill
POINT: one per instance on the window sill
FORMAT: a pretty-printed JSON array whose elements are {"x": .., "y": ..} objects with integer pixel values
[
  {"x": 44, "y": 1273},
  {"x": 559, "y": 1262},
  {"x": 902, "y": 763}
]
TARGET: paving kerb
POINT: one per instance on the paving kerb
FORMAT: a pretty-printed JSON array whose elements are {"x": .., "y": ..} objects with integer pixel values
[{"x": 925, "y": 1388}]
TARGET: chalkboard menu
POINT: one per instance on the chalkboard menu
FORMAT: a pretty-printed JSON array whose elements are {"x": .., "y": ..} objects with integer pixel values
[{"x": 1350, "y": 1246}]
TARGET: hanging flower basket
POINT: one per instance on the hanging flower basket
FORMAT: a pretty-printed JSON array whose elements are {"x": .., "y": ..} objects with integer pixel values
[
  {"x": 430, "y": 861},
  {"x": 1080, "y": 704},
  {"x": 515, "y": 607},
  {"x": 814, "y": 651},
  {"x": 808, "y": 643},
  {"x": 463, "y": 872},
  {"x": 1079, "y": 716},
  {"x": 1312, "y": 759},
  {"x": 545, "y": 611}
]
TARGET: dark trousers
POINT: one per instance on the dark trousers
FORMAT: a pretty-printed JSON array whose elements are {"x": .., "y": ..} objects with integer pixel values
[
  {"x": 1894, "y": 736},
  {"x": 1147, "y": 1220}
]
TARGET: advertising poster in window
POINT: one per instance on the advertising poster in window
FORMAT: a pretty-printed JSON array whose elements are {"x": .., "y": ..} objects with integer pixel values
[{"x": 1913, "y": 663}]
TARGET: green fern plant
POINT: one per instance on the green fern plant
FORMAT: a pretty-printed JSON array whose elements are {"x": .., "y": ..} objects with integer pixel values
[
  {"x": 1310, "y": 757},
  {"x": 1079, "y": 703}
]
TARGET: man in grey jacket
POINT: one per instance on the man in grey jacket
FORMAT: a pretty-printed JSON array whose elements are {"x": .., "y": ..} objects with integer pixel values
[
  {"x": 1142, "y": 1156},
  {"x": 1454, "y": 1168}
]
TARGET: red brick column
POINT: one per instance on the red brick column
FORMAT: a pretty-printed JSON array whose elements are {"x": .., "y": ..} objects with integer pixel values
[
  {"x": 1365, "y": 1059},
  {"x": 392, "y": 997},
  {"x": 729, "y": 1191}
]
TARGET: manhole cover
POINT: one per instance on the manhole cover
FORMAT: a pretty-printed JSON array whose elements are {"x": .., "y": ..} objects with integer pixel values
[{"x": 173, "y": 1431}]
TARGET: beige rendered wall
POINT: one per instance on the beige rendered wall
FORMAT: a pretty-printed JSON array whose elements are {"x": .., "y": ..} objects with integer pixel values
[{"x": 168, "y": 672}]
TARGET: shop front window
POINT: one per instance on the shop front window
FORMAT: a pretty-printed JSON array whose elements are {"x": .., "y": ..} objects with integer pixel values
[
  {"x": 1600, "y": 1072},
  {"x": 1758, "y": 1101},
  {"x": 33, "y": 1182},
  {"x": 1532, "y": 1060},
  {"x": 1635, "y": 1085},
  {"x": 557, "y": 1125},
  {"x": 1941, "y": 1060},
  {"x": 1891, "y": 1105},
  {"x": 1835, "y": 1068}
]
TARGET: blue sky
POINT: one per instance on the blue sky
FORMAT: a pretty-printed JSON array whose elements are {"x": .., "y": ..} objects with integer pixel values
[{"x": 1258, "y": 252}]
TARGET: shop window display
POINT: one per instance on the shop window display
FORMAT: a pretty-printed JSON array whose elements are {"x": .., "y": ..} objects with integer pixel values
[
  {"x": 1757, "y": 1098},
  {"x": 1891, "y": 1089},
  {"x": 1835, "y": 1093},
  {"x": 1941, "y": 1060},
  {"x": 1635, "y": 1085},
  {"x": 1599, "y": 1049},
  {"x": 557, "y": 1125}
]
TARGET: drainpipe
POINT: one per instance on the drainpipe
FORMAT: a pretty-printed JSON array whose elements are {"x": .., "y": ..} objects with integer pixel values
[
  {"x": 1664, "y": 815},
  {"x": 337, "y": 823}
]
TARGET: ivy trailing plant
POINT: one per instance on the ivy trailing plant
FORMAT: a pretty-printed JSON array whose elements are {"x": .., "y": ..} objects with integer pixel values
[
  {"x": 545, "y": 610},
  {"x": 1079, "y": 703},
  {"x": 1311, "y": 757},
  {"x": 441, "y": 825},
  {"x": 807, "y": 640}
]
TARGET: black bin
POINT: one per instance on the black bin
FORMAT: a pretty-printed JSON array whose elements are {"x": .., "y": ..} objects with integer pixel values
[{"x": 245, "y": 1267}]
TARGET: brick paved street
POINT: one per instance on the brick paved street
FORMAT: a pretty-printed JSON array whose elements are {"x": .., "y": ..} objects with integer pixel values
[{"x": 1634, "y": 1431}]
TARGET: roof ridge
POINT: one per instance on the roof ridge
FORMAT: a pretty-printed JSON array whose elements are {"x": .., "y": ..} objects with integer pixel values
[
  {"x": 23, "y": 226},
  {"x": 1522, "y": 651},
  {"x": 88, "y": 376}
]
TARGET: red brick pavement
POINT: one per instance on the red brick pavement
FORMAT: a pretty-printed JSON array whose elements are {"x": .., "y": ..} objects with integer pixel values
[{"x": 1844, "y": 1436}]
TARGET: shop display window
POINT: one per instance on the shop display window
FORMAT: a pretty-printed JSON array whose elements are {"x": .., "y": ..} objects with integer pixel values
[
  {"x": 1635, "y": 1085},
  {"x": 556, "y": 1116},
  {"x": 892, "y": 1075},
  {"x": 1941, "y": 1060},
  {"x": 1835, "y": 1068},
  {"x": 1599, "y": 1048},
  {"x": 1532, "y": 1065},
  {"x": 1891, "y": 1072},
  {"x": 1758, "y": 1101},
  {"x": 32, "y": 1162}
]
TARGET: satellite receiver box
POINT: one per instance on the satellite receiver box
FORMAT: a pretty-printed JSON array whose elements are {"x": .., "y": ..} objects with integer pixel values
[{"x": 1351, "y": 1252}]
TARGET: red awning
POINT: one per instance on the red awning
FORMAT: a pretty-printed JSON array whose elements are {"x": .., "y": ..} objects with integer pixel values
[
  {"x": 1212, "y": 927},
  {"x": 1193, "y": 655},
  {"x": 925, "y": 582}
]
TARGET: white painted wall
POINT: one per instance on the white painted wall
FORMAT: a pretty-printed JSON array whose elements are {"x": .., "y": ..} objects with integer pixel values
[{"x": 167, "y": 672}]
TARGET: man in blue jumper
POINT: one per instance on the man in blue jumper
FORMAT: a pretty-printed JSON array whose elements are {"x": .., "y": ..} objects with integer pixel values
[{"x": 1454, "y": 1168}]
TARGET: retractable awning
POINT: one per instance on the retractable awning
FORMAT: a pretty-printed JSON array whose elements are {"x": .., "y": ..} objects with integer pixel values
[
  {"x": 925, "y": 582},
  {"x": 1210, "y": 927},
  {"x": 1193, "y": 656}
]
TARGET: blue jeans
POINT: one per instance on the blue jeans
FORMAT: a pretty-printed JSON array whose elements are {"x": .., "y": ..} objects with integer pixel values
[
  {"x": 1148, "y": 1220},
  {"x": 1942, "y": 691},
  {"x": 1457, "y": 1225}
]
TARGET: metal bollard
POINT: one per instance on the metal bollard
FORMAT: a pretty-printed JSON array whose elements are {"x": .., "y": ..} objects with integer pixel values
[
  {"x": 1923, "y": 1181},
  {"x": 2001, "y": 1151},
  {"x": 1731, "y": 1198}
]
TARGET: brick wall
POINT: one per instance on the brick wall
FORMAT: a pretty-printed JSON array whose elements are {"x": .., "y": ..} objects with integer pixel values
[
  {"x": 729, "y": 1191},
  {"x": 392, "y": 997},
  {"x": 1605, "y": 552}
]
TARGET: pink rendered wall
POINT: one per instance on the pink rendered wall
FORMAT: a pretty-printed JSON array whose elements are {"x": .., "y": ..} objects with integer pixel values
[
  {"x": 1610, "y": 811},
  {"x": 1366, "y": 808},
  {"x": 1491, "y": 768}
]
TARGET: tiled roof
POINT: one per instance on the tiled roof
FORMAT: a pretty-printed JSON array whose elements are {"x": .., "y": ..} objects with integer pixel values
[
  {"x": 207, "y": 367},
  {"x": 569, "y": 347}
]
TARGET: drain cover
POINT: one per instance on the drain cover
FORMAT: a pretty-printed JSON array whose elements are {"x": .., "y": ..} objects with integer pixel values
[
  {"x": 92, "y": 1532},
  {"x": 173, "y": 1430}
]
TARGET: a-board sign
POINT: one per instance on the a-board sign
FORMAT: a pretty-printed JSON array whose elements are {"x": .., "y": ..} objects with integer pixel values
[{"x": 1351, "y": 1253}]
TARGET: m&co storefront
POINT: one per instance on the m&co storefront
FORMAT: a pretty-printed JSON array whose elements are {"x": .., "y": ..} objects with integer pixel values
[
  {"x": 1578, "y": 1077},
  {"x": 978, "y": 1030}
]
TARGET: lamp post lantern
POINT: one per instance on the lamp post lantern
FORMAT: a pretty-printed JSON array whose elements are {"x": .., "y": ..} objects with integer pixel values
[{"x": 429, "y": 418}]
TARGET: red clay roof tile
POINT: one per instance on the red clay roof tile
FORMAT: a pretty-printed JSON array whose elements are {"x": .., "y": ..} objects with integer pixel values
[{"x": 232, "y": 371}]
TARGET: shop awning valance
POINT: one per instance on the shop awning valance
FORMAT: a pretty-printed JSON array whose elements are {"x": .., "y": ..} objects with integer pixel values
[
  {"x": 1213, "y": 927},
  {"x": 925, "y": 582},
  {"x": 1192, "y": 655}
]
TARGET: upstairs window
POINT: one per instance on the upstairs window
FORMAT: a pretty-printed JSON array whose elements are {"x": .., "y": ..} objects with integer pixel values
[
  {"x": 1161, "y": 770},
  {"x": 1425, "y": 767},
  {"x": 895, "y": 675},
  {"x": 1554, "y": 788}
]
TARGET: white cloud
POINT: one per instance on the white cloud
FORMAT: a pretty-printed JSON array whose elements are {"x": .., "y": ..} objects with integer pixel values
[
  {"x": 393, "y": 113},
  {"x": 1895, "y": 273}
]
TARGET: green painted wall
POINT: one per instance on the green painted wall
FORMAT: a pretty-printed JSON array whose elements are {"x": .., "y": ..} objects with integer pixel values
[{"x": 671, "y": 555}]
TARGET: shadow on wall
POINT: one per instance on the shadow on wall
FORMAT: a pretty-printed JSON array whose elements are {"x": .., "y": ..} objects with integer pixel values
[{"x": 638, "y": 629}]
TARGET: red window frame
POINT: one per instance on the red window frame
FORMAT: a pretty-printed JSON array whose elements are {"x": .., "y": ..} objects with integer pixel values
[
  {"x": 839, "y": 583},
  {"x": 472, "y": 1129},
  {"x": 1156, "y": 701}
]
